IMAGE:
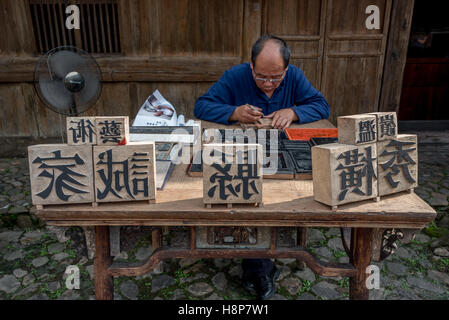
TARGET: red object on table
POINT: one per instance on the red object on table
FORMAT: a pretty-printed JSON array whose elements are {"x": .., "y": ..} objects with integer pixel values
[
  {"x": 306, "y": 134},
  {"x": 122, "y": 143}
]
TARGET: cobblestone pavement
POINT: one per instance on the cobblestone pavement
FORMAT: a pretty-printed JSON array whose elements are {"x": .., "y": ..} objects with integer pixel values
[{"x": 33, "y": 257}]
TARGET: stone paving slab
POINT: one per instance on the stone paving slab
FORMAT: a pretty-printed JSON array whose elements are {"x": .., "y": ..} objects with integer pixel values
[
  {"x": 34, "y": 258},
  {"x": 39, "y": 274}
]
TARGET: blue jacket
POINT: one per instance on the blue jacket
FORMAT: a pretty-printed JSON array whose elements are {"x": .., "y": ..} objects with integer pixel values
[{"x": 236, "y": 87}]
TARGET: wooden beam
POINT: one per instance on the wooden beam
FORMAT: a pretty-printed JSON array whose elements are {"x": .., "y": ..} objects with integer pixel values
[
  {"x": 320, "y": 267},
  {"x": 177, "y": 69},
  {"x": 396, "y": 55}
]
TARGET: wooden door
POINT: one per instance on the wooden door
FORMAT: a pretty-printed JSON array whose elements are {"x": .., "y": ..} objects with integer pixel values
[
  {"x": 353, "y": 56},
  {"x": 331, "y": 44},
  {"x": 302, "y": 24}
]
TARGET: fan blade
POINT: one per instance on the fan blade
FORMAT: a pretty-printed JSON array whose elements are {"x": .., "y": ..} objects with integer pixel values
[
  {"x": 62, "y": 62},
  {"x": 55, "y": 95}
]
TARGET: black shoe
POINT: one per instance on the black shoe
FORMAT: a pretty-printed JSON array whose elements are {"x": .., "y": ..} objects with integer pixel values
[{"x": 265, "y": 286}]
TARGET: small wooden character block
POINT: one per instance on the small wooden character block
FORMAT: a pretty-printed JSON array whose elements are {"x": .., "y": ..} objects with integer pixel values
[
  {"x": 81, "y": 130},
  {"x": 397, "y": 164},
  {"x": 112, "y": 131},
  {"x": 125, "y": 173},
  {"x": 387, "y": 125},
  {"x": 344, "y": 173},
  {"x": 357, "y": 129},
  {"x": 61, "y": 174},
  {"x": 232, "y": 173}
]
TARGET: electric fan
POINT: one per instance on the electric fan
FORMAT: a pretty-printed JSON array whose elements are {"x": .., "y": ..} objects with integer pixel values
[{"x": 67, "y": 80}]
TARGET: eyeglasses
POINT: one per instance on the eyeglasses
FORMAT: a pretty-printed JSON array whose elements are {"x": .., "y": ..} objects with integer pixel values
[{"x": 276, "y": 79}]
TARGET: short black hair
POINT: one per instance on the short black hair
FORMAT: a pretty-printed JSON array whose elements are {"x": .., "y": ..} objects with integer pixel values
[{"x": 260, "y": 43}]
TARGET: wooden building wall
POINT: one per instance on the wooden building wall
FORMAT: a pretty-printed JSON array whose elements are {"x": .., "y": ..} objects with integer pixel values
[{"x": 182, "y": 46}]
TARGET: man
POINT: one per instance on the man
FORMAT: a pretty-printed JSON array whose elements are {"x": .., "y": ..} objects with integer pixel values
[
  {"x": 274, "y": 88},
  {"x": 267, "y": 87}
]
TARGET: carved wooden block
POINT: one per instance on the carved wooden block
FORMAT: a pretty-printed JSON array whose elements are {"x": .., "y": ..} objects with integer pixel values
[
  {"x": 232, "y": 173},
  {"x": 302, "y": 160},
  {"x": 357, "y": 129},
  {"x": 295, "y": 145},
  {"x": 322, "y": 140},
  {"x": 112, "y": 130},
  {"x": 344, "y": 173},
  {"x": 81, "y": 130},
  {"x": 278, "y": 165},
  {"x": 397, "y": 164},
  {"x": 262, "y": 123},
  {"x": 125, "y": 173},
  {"x": 60, "y": 174},
  {"x": 233, "y": 237},
  {"x": 387, "y": 125}
]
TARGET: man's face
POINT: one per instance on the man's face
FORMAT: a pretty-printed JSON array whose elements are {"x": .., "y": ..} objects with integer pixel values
[{"x": 268, "y": 65}]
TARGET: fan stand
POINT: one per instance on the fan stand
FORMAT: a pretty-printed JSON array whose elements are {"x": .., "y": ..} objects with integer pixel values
[
  {"x": 60, "y": 128},
  {"x": 73, "y": 113},
  {"x": 73, "y": 108}
]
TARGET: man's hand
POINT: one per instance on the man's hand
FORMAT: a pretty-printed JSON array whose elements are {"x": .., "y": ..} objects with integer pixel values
[
  {"x": 246, "y": 114},
  {"x": 283, "y": 118}
]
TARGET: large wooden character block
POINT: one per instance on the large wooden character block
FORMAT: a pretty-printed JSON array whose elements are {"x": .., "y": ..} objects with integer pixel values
[
  {"x": 232, "y": 173},
  {"x": 112, "y": 131},
  {"x": 397, "y": 164},
  {"x": 60, "y": 174},
  {"x": 357, "y": 129},
  {"x": 81, "y": 130},
  {"x": 125, "y": 173},
  {"x": 387, "y": 125},
  {"x": 344, "y": 173}
]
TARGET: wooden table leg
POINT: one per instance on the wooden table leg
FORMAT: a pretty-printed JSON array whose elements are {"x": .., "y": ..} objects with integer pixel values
[
  {"x": 104, "y": 283},
  {"x": 301, "y": 234},
  {"x": 361, "y": 250},
  {"x": 156, "y": 242},
  {"x": 301, "y": 239}
]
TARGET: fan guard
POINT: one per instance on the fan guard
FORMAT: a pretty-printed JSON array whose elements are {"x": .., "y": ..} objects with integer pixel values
[{"x": 67, "y": 80}]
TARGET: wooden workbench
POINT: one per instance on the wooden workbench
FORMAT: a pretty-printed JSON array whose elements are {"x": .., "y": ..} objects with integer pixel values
[{"x": 286, "y": 203}]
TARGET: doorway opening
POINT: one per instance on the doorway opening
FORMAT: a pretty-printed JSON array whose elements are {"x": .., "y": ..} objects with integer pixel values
[{"x": 425, "y": 91}]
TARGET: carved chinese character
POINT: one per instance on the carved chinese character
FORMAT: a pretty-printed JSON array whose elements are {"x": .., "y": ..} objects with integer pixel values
[
  {"x": 397, "y": 164},
  {"x": 112, "y": 131},
  {"x": 60, "y": 173},
  {"x": 81, "y": 130},
  {"x": 232, "y": 174},
  {"x": 124, "y": 173},
  {"x": 387, "y": 125},
  {"x": 367, "y": 131},
  {"x": 357, "y": 129},
  {"x": 344, "y": 173},
  {"x": 355, "y": 169}
]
